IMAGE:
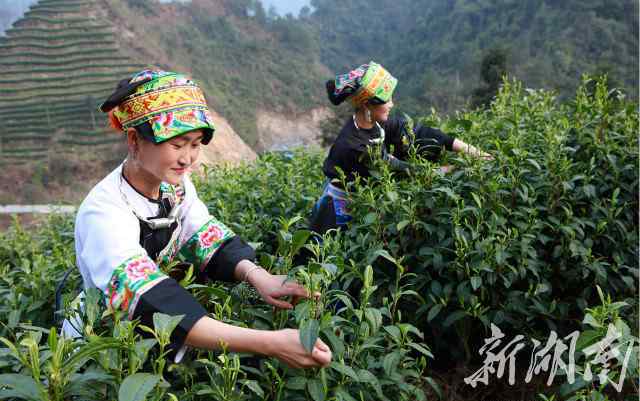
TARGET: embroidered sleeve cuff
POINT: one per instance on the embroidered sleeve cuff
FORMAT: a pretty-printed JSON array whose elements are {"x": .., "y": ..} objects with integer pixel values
[
  {"x": 130, "y": 280},
  {"x": 200, "y": 248},
  {"x": 170, "y": 298},
  {"x": 223, "y": 264}
]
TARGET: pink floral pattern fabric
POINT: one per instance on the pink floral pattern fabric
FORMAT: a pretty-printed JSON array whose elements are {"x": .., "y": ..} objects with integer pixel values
[
  {"x": 204, "y": 243},
  {"x": 130, "y": 280}
]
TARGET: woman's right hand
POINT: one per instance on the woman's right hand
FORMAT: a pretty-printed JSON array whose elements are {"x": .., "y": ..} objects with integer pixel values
[{"x": 286, "y": 346}]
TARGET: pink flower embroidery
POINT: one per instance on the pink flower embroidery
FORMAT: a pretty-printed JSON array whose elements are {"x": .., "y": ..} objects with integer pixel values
[
  {"x": 140, "y": 269},
  {"x": 210, "y": 237},
  {"x": 163, "y": 119}
]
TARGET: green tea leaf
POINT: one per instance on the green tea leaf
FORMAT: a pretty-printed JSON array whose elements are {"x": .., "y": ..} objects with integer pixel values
[
  {"x": 390, "y": 362},
  {"x": 340, "y": 367},
  {"x": 165, "y": 324},
  {"x": 296, "y": 383},
  {"x": 434, "y": 312},
  {"x": 253, "y": 386},
  {"x": 454, "y": 317},
  {"x": 23, "y": 386},
  {"x": 476, "y": 282},
  {"x": 315, "y": 389},
  {"x": 136, "y": 387},
  {"x": 309, "y": 330}
]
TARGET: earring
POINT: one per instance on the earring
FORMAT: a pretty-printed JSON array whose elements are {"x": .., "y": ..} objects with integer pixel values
[{"x": 367, "y": 115}]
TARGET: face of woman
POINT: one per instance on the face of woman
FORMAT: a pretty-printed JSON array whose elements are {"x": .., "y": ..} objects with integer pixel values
[
  {"x": 380, "y": 113},
  {"x": 170, "y": 160}
]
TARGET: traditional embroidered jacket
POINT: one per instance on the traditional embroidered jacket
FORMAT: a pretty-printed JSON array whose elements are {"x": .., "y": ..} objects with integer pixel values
[{"x": 120, "y": 255}]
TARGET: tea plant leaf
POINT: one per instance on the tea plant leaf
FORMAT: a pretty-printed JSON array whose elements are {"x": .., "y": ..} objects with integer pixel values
[
  {"x": 454, "y": 317},
  {"x": 253, "y": 386},
  {"x": 309, "y": 330},
  {"x": 384, "y": 254},
  {"x": 435, "y": 386},
  {"x": 588, "y": 338},
  {"x": 140, "y": 351},
  {"x": 343, "y": 395},
  {"x": 534, "y": 164},
  {"x": 330, "y": 268},
  {"x": 335, "y": 343},
  {"x": 165, "y": 324},
  {"x": 390, "y": 362},
  {"x": 394, "y": 332},
  {"x": 23, "y": 386},
  {"x": 476, "y": 198},
  {"x": 591, "y": 321},
  {"x": 296, "y": 383},
  {"x": 402, "y": 225},
  {"x": 316, "y": 390},
  {"x": 368, "y": 276},
  {"x": 83, "y": 385},
  {"x": 434, "y": 312},
  {"x": 340, "y": 367},
  {"x": 345, "y": 300},
  {"x": 374, "y": 318},
  {"x": 370, "y": 218},
  {"x": 476, "y": 282},
  {"x": 188, "y": 278},
  {"x": 422, "y": 349},
  {"x": 88, "y": 351},
  {"x": 137, "y": 386},
  {"x": 371, "y": 379},
  {"x": 300, "y": 237},
  {"x": 448, "y": 192}
]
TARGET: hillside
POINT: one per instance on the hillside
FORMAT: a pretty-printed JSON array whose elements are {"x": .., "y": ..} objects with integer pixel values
[
  {"x": 436, "y": 47},
  {"x": 246, "y": 62},
  {"x": 63, "y": 57},
  {"x": 263, "y": 74},
  {"x": 57, "y": 62}
]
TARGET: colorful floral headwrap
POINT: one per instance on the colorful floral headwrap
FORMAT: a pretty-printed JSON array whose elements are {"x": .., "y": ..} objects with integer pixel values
[
  {"x": 160, "y": 105},
  {"x": 367, "y": 83}
]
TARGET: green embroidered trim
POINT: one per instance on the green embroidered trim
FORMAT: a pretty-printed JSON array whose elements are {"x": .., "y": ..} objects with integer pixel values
[
  {"x": 204, "y": 243},
  {"x": 130, "y": 280}
]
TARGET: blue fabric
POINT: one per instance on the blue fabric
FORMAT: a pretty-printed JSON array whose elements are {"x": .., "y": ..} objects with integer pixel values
[{"x": 331, "y": 193}]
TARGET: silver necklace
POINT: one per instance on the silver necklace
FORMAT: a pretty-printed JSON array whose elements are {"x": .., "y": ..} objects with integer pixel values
[
  {"x": 154, "y": 224},
  {"x": 376, "y": 141}
]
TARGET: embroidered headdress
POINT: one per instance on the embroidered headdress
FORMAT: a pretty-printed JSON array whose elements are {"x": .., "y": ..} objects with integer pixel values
[
  {"x": 160, "y": 105},
  {"x": 369, "y": 83}
]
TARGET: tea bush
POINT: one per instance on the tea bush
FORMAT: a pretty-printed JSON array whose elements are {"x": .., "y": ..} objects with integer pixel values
[
  {"x": 522, "y": 240},
  {"x": 544, "y": 237}
]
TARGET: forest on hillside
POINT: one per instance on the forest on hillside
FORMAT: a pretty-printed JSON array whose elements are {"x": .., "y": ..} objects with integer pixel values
[
  {"x": 449, "y": 55},
  {"x": 437, "y": 48},
  {"x": 251, "y": 58}
]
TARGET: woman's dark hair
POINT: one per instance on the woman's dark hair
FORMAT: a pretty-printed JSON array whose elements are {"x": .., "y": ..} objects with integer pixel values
[
  {"x": 336, "y": 99},
  {"x": 144, "y": 129}
]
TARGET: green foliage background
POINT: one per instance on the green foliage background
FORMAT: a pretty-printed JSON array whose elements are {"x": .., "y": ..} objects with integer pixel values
[
  {"x": 545, "y": 237},
  {"x": 436, "y": 47}
]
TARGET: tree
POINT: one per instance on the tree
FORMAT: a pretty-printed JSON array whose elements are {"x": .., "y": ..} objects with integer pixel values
[{"x": 492, "y": 69}]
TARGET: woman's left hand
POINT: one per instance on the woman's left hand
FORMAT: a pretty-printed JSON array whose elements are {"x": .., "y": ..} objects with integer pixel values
[{"x": 272, "y": 288}]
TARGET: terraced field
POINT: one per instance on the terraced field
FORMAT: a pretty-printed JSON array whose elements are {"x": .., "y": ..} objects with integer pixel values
[{"x": 56, "y": 64}]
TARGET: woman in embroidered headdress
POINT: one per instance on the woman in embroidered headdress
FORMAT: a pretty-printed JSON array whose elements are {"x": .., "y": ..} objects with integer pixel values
[
  {"x": 146, "y": 213},
  {"x": 370, "y": 88}
]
